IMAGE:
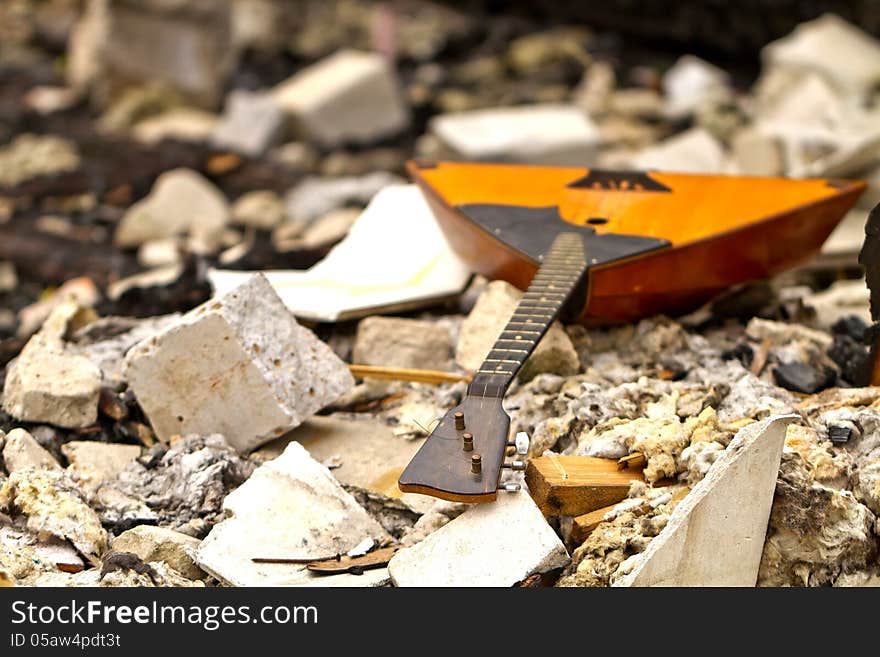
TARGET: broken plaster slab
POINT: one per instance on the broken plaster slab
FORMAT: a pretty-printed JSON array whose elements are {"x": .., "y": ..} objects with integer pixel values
[
  {"x": 395, "y": 258},
  {"x": 494, "y": 544},
  {"x": 715, "y": 536},
  {"x": 291, "y": 507}
]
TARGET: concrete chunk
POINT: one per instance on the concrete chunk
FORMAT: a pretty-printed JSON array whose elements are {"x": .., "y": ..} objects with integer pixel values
[
  {"x": 251, "y": 124},
  {"x": 398, "y": 342},
  {"x": 161, "y": 544},
  {"x": 23, "y": 451},
  {"x": 239, "y": 365},
  {"x": 715, "y": 536},
  {"x": 95, "y": 462},
  {"x": 290, "y": 507},
  {"x": 350, "y": 96},
  {"x": 535, "y": 134},
  {"x": 497, "y": 544}
]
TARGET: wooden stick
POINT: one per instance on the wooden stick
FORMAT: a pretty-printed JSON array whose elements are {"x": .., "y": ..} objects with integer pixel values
[
  {"x": 406, "y": 374},
  {"x": 634, "y": 460},
  {"x": 575, "y": 485},
  {"x": 582, "y": 526}
]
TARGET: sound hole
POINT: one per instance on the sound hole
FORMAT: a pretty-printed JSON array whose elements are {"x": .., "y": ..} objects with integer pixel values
[{"x": 597, "y": 221}]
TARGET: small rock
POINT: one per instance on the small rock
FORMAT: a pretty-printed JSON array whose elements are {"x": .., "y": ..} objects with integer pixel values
[
  {"x": 800, "y": 377},
  {"x": 295, "y": 155},
  {"x": 45, "y": 99},
  {"x": 185, "y": 124},
  {"x": 81, "y": 289},
  {"x": 327, "y": 521},
  {"x": 31, "y": 156},
  {"x": 261, "y": 209},
  {"x": 8, "y": 278},
  {"x": 692, "y": 82},
  {"x": 349, "y": 97},
  {"x": 251, "y": 124},
  {"x": 182, "y": 202},
  {"x": 322, "y": 233},
  {"x": 23, "y": 451},
  {"x": 241, "y": 350},
  {"x": 844, "y": 54},
  {"x": 53, "y": 505},
  {"x": 161, "y": 544},
  {"x": 492, "y": 310},
  {"x": 692, "y": 151},
  {"x": 397, "y": 342},
  {"x": 757, "y": 153},
  {"x": 47, "y": 383},
  {"x": 497, "y": 544},
  {"x": 165, "y": 252},
  {"x": 93, "y": 463},
  {"x": 535, "y": 134}
]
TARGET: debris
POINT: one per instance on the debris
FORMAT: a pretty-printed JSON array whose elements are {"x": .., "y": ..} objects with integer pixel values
[
  {"x": 322, "y": 233},
  {"x": 261, "y": 209},
  {"x": 348, "y": 97},
  {"x": 535, "y": 134},
  {"x": 496, "y": 544},
  {"x": 583, "y": 525},
  {"x": 252, "y": 123},
  {"x": 575, "y": 485},
  {"x": 30, "y": 156},
  {"x": 47, "y": 383},
  {"x": 182, "y": 488},
  {"x": 8, "y": 277},
  {"x": 326, "y": 520},
  {"x": 182, "y": 202},
  {"x": 54, "y": 506},
  {"x": 356, "y": 565},
  {"x": 185, "y": 124},
  {"x": 491, "y": 312},
  {"x": 842, "y": 299},
  {"x": 692, "y": 151},
  {"x": 692, "y": 83},
  {"x": 314, "y": 197},
  {"x": 351, "y": 282},
  {"x": 160, "y": 544},
  {"x": 397, "y": 342},
  {"x": 243, "y": 347},
  {"x": 82, "y": 290},
  {"x": 92, "y": 463},
  {"x": 800, "y": 377},
  {"x": 714, "y": 537},
  {"x": 22, "y": 451},
  {"x": 435, "y": 377}
]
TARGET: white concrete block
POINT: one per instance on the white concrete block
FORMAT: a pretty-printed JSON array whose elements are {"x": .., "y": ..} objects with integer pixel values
[
  {"x": 350, "y": 96},
  {"x": 495, "y": 544},
  {"x": 715, "y": 536},
  {"x": 290, "y": 507},
  {"x": 238, "y": 365},
  {"x": 535, "y": 134}
]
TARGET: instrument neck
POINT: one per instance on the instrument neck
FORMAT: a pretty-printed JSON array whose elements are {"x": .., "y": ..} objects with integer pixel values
[{"x": 562, "y": 269}]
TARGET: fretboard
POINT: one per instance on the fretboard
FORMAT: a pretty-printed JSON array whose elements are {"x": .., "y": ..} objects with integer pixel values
[{"x": 562, "y": 268}]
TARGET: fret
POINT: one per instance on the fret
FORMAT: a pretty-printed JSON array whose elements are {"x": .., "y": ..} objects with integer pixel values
[
  {"x": 501, "y": 360},
  {"x": 482, "y": 371},
  {"x": 536, "y": 316},
  {"x": 522, "y": 332}
]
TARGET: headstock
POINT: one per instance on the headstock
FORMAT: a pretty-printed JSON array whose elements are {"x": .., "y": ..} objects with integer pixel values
[{"x": 446, "y": 467}]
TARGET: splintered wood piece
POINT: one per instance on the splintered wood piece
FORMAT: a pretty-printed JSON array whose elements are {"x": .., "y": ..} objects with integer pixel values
[
  {"x": 760, "y": 358},
  {"x": 575, "y": 485},
  {"x": 353, "y": 565},
  {"x": 634, "y": 460},
  {"x": 405, "y": 374},
  {"x": 582, "y": 526}
]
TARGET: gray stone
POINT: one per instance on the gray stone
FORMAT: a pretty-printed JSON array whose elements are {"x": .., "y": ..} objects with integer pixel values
[
  {"x": 844, "y": 54},
  {"x": 535, "y": 134},
  {"x": 93, "y": 463},
  {"x": 252, "y": 123},
  {"x": 348, "y": 97},
  {"x": 290, "y": 507},
  {"x": 496, "y": 544},
  {"x": 179, "y": 124},
  {"x": 30, "y": 156},
  {"x": 181, "y": 202},
  {"x": 261, "y": 209},
  {"x": 715, "y": 536},
  {"x": 161, "y": 544},
  {"x": 21, "y": 451},
  {"x": 491, "y": 312},
  {"x": 241, "y": 350},
  {"x": 398, "y": 342},
  {"x": 47, "y": 383}
]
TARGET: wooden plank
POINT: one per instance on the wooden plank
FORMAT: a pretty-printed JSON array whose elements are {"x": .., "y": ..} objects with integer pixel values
[
  {"x": 575, "y": 485},
  {"x": 582, "y": 526}
]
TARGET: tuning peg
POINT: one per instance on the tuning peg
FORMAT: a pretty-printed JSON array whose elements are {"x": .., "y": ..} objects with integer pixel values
[
  {"x": 510, "y": 488},
  {"x": 521, "y": 442},
  {"x": 515, "y": 465}
]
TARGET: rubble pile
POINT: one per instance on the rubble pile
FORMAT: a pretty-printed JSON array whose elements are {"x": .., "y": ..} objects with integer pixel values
[{"x": 174, "y": 416}]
